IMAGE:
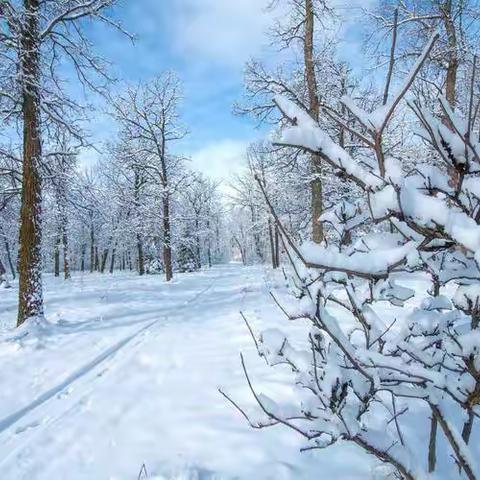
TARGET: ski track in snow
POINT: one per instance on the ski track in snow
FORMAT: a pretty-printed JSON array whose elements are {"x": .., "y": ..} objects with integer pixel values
[
  {"x": 115, "y": 349},
  {"x": 131, "y": 379},
  {"x": 12, "y": 419}
]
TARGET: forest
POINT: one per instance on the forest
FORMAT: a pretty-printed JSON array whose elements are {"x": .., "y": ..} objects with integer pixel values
[{"x": 239, "y": 240}]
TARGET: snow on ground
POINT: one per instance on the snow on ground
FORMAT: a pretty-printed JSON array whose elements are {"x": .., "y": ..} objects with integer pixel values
[{"x": 128, "y": 375}]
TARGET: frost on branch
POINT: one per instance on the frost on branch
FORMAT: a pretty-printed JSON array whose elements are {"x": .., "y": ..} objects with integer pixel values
[{"x": 394, "y": 336}]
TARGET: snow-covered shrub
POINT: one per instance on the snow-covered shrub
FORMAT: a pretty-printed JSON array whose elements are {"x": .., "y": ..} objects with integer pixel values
[
  {"x": 185, "y": 259},
  {"x": 153, "y": 266},
  {"x": 394, "y": 335}
]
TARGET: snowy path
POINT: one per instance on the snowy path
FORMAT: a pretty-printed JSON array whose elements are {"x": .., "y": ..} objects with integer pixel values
[{"x": 128, "y": 375}]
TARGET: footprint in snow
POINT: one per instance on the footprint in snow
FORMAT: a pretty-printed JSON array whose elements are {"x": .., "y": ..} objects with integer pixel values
[{"x": 29, "y": 426}]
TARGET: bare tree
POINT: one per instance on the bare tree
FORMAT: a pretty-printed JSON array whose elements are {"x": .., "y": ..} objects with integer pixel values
[
  {"x": 35, "y": 37},
  {"x": 457, "y": 20},
  {"x": 379, "y": 363},
  {"x": 149, "y": 116}
]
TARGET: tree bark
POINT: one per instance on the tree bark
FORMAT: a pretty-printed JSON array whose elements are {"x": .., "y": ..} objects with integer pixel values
[
  {"x": 56, "y": 257},
  {"x": 209, "y": 255},
  {"x": 198, "y": 252},
  {"x": 104, "y": 260},
  {"x": 452, "y": 61},
  {"x": 432, "y": 445},
  {"x": 92, "y": 248},
  {"x": 316, "y": 170},
  {"x": 8, "y": 253},
  {"x": 30, "y": 260},
  {"x": 167, "y": 239},
  {"x": 82, "y": 261},
  {"x": 141, "y": 257},
  {"x": 112, "y": 259},
  {"x": 209, "y": 244},
  {"x": 272, "y": 244},
  {"x": 277, "y": 247},
  {"x": 9, "y": 259},
  {"x": 66, "y": 263}
]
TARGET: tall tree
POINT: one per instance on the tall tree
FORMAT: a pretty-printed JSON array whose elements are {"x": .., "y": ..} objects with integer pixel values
[
  {"x": 309, "y": 59},
  {"x": 417, "y": 20},
  {"x": 29, "y": 265},
  {"x": 310, "y": 76},
  {"x": 149, "y": 116},
  {"x": 35, "y": 35}
]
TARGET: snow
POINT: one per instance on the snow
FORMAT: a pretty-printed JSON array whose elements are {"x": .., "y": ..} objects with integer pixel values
[
  {"x": 126, "y": 373},
  {"x": 375, "y": 262},
  {"x": 467, "y": 296},
  {"x": 373, "y": 120},
  {"x": 432, "y": 211},
  {"x": 306, "y": 133},
  {"x": 418, "y": 345}
]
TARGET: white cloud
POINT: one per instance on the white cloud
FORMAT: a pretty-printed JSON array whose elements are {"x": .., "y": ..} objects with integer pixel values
[
  {"x": 224, "y": 31},
  {"x": 220, "y": 160}
]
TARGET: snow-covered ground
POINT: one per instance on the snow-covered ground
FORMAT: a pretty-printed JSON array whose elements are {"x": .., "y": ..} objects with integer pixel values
[{"x": 128, "y": 376}]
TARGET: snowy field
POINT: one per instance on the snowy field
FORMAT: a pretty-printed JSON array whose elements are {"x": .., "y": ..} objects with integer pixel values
[{"x": 127, "y": 375}]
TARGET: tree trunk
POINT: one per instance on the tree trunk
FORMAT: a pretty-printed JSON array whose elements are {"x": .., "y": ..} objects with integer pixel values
[
  {"x": 112, "y": 259},
  {"x": 452, "y": 61},
  {"x": 209, "y": 244},
  {"x": 56, "y": 257},
  {"x": 9, "y": 259},
  {"x": 316, "y": 182},
  {"x": 432, "y": 445},
  {"x": 141, "y": 257},
  {"x": 66, "y": 263},
  {"x": 92, "y": 248},
  {"x": 3, "y": 279},
  {"x": 198, "y": 252},
  {"x": 272, "y": 243},
  {"x": 82, "y": 261},
  {"x": 104, "y": 260},
  {"x": 277, "y": 246},
  {"x": 344, "y": 91},
  {"x": 30, "y": 259},
  {"x": 8, "y": 253},
  {"x": 97, "y": 261},
  {"x": 167, "y": 239}
]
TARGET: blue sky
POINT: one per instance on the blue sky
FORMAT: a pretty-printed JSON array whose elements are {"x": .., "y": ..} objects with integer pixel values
[{"x": 207, "y": 42}]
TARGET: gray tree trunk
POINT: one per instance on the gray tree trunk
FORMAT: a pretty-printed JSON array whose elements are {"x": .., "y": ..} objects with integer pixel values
[{"x": 316, "y": 167}]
